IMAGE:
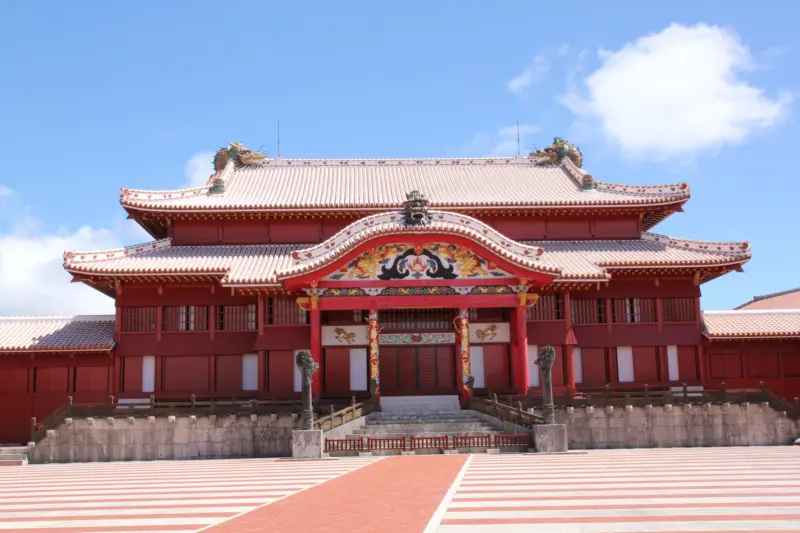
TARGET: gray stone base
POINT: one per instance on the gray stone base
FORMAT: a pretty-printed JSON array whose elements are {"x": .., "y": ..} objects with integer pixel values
[
  {"x": 307, "y": 444},
  {"x": 550, "y": 437}
]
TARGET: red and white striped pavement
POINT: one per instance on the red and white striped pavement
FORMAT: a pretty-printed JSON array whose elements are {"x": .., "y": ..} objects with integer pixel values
[
  {"x": 173, "y": 496},
  {"x": 626, "y": 491}
]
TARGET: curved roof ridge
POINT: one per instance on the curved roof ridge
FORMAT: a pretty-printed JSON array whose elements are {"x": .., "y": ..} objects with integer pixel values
[
  {"x": 53, "y": 318},
  {"x": 722, "y": 247},
  {"x": 754, "y": 312},
  {"x": 74, "y": 257},
  {"x": 372, "y": 226},
  {"x": 767, "y": 296}
]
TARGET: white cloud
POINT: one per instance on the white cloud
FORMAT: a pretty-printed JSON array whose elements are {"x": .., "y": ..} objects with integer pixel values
[
  {"x": 33, "y": 282},
  {"x": 501, "y": 143},
  {"x": 5, "y": 191},
  {"x": 675, "y": 93},
  {"x": 199, "y": 168},
  {"x": 534, "y": 73}
]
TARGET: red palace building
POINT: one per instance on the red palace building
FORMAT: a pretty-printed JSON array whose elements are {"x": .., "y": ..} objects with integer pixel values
[{"x": 402, "y": 277}]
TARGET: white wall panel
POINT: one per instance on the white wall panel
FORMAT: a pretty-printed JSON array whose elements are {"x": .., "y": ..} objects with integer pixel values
[
  {"x": 477, "y": 366},
  {"x": 148, "y": 373},
  {"x": 625, "y": 364},
  {"x": 358, "y": 369},
  {"x": 533, "y": 369},
  {"x": 250, "y": 371}
]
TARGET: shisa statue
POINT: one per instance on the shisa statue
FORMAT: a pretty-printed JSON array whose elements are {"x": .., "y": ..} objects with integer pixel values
[
  {"x": 307, "y": 367},
  {"x": 546, "y": 359}
]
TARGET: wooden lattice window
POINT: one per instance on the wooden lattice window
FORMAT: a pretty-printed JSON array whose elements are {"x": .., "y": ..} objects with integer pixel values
[
  {"x": 678, "y": 309},
  {"x": 549, "y": 307},
  {"x": 633, "y": 310},
  {"x": 488, "y": 314},
  {"x": 284, "y": 311},
  {"x": 138, "y": 319},
  {"x": 237, "y": 317},
  {"x": 589, "y": 311},
  {"x": 417, "y": 319},
  {"x": 185, "y": 318}
]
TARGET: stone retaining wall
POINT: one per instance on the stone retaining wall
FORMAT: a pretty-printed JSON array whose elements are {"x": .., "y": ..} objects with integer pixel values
[
  {"x": 180, "y": 437},
  {"x": 675, "y": 426}
]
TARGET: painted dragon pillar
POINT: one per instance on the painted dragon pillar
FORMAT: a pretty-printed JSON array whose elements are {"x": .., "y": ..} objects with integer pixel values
[
  {"x": 373, "y": 333},
  {"x": 465, "y": 371}
]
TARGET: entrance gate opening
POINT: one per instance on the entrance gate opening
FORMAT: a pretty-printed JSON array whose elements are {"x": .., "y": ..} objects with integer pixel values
[{"x": 418, "y": 370}]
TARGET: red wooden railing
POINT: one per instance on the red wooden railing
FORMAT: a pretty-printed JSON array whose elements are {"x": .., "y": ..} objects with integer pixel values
[
  {"x": 513, "y": 441},
  {"x": 344, "y": 445},
  {"x": 427, "y": 443},
  {"x": 386, "y": 444},
  {"x": 472, "y": 441}
]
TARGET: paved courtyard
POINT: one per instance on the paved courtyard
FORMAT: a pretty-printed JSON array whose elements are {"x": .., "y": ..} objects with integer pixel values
[{"x": 614, "y": 491}]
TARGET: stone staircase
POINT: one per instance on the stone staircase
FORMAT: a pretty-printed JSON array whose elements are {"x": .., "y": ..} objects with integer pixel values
[
  {"x": 13, "y": 455},
  {"x": 402, "y": 419}
]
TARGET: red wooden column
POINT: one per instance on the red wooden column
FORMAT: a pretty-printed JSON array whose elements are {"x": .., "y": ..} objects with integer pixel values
[
  {"x": 463, "y": 368},
  {"x": 373, "y": 330},
  {"x": 316, "y": 346},
  {"x": 520, "y": 357},
  {"x": 568, "y": 348}
]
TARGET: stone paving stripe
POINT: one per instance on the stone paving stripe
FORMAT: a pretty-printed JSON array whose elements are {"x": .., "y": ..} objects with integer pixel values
[
  {"x": 396, "y": 495},
  {"x": 622, "y": 519}
]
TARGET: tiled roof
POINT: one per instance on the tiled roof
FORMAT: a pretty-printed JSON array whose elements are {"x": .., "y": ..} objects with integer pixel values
[
  {"x": 793, "y": 293},
  {"x": 76, "y": 333},
  {"x": 373, "y": 226},
  {"x": 585, "y": 259},
  {"x": 751, "y": 324},
  {"x": 258, "y": 263},
  {"x": 290, "y": 184},
  {"x": 236, "y": 264}
]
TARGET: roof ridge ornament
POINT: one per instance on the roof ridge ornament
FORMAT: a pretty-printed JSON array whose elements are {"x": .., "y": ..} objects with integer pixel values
[
  {"x": 557, "y": 151},
  {"x": 241, "y": 156},
  {"x": 415, "y": 209}
]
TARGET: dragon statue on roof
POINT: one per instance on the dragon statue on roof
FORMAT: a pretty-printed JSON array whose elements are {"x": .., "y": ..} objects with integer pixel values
[
  {"x": 557, "y": 151},
  {"x": 241, "y": 156}
]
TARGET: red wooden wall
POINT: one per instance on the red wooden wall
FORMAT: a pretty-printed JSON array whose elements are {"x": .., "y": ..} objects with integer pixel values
[{"x": 309, "y": 231}]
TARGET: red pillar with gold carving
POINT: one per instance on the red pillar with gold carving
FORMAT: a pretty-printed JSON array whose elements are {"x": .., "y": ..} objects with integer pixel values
[
  {"x": 316, "y": 346},
  {"x": 464, "y": 370},
  {"x": 521, "y": 379},
  {"x": 373, "y": 332}
]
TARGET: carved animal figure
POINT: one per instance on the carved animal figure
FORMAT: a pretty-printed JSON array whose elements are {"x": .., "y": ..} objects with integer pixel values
[
  {"x": 560, "y": 149},
  {"x": 487, "y": 334},
  {"x": 344, "y": 336},
  {"x": 241, "y": 156}
]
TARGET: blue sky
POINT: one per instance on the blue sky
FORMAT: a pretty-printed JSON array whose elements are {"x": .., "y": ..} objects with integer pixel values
[{"x": 96, "y": 97}]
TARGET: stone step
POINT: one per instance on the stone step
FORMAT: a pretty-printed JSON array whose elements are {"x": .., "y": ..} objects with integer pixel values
[
  {"x": 420, "y": 404},
  {"x": 422, "y": 414},
  {"x": 426, "y": 420},
  {"x": 423, "y": 426},
  {"x": 9, "y": 460},
  {"x": 432, "y": 433}
]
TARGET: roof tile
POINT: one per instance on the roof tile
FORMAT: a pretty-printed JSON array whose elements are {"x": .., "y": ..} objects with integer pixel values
[
  {"x": 76, "y": 333},
  {"x": 751, "y": 324},
  {"x": 379, "y": 184}
]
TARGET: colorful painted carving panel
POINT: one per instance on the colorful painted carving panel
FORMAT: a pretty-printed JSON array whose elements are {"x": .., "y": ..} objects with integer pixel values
[{"x": 406, "y": 262}]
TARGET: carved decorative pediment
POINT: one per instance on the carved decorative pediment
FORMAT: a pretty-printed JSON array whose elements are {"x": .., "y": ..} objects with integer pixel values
[{"x": 434, "y": 261}]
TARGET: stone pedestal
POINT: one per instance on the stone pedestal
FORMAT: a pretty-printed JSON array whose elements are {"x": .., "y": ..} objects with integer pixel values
[
  {"x": 550, "y": 437},
  {"x": 307, "y": 444}
]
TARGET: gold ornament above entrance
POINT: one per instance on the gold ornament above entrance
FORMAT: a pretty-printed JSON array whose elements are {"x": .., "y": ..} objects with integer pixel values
[{"x": 434, "y": 261}]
